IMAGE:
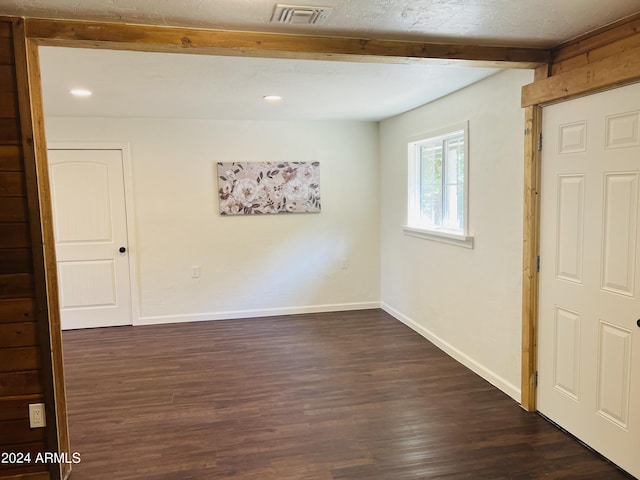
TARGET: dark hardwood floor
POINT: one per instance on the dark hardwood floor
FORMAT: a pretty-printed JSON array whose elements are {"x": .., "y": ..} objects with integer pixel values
[{"x": 340, "y": 396}]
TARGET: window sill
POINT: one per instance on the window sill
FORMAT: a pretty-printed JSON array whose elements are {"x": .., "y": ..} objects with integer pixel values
[{"x": 464, "y": 241}]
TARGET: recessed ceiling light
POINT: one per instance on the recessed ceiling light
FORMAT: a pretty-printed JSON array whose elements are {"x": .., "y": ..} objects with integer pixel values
[
  {"x": 80, "y": 92},
  {"x": 272, "y": 98}
]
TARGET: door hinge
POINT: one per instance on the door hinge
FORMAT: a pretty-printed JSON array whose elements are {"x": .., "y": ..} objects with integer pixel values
[
  {"x": 539, "y": 142},
  {"x": 538, "y": 264},
  {"x": 535, "y": 379}
]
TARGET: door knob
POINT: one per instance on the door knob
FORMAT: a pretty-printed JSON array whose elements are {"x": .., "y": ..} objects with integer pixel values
[{"x": 122, "y": 250}]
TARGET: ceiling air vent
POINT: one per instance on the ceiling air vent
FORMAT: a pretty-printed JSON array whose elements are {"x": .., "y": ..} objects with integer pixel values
[{"x": 299, "y": 15}]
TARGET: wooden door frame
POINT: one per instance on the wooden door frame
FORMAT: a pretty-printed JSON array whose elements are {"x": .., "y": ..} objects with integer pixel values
[
  {"x": 46, "y": 280},
  {"x": 42, "y": 32},
  {"x": 46, "y": 304},
  {"x": 531, "y": 238},
  {"x": 604, "y": 59},
  {"x": 127, "y": 176}
]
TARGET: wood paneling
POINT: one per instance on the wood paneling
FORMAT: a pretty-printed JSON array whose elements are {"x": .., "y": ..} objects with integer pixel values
[
  {"x": 18, "y": 431},
  {"x": 17, "y": 408},
  {"x": 598, "y": 53},
  {"x": 18, "y": 335},
  {"x": 16, "y": 285},
  {"x": 14, "y": 235},
  {"x": 7, "y": 78},
  {"x": 580, "y": 49},
  {"x": 15, "y": 260},
  {"x": 20, "y": 356},
  {"x": 45, "y": 288},
  {"x": 30, "y": 447},
  {"x": 37, "y": 474},
  {"x": 19, "y": 359},
  {"x": 27, "y": 472},
  {"x": 221, "y": 42},
  {"x": 10, "y": 158},
  {"x": 5, "y": 29},
  {"x": 603, "y": 59},
  {"x": 609, "y": 72},
  {"x": 16, "y": 310},
  {"x": 13, "y": 210},
  {"x": 14, "y": 414},
  {"x": 8, "y": 105},
  {"x": 12, "y": 184},
  {"x": 6, "y": 51},
  {"x": 14, "y": 384},
  {"x": 10, "y": 131}
]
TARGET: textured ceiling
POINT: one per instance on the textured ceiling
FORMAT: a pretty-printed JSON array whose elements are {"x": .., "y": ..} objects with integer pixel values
[
  {"x": 138, "y": 84},
  {"x": 160, "y": 85},
  {"x": 515, "y": 22}
]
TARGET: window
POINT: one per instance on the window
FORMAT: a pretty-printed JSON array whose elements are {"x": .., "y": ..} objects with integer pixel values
[{"x": 437, "y": 206}]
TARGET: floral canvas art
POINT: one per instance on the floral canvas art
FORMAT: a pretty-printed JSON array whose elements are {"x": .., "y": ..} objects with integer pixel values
[{"x": 249, "y": 188}]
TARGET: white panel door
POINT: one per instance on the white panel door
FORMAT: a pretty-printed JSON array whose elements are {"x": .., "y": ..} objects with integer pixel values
[
  {"x": 589, "y": 310},
  {"x": 89, "y": 218}
]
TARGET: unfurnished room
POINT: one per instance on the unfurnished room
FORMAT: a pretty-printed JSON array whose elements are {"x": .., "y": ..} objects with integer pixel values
[{"x": 325, "y": 241}]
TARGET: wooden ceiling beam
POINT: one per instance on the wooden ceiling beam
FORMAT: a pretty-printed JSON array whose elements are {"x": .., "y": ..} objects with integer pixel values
[{"x": 222, "y": 42}]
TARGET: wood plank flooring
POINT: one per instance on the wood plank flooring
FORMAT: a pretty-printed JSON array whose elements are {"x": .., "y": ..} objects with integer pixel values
[{"x": 339, "y": 396}]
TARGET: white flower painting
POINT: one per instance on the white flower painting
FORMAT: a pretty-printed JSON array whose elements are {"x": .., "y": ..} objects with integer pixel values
[{"x": 250, "y": 188}]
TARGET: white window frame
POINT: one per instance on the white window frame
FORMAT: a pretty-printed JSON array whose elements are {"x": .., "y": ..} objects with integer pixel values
[{"x": 417, "y": 227}]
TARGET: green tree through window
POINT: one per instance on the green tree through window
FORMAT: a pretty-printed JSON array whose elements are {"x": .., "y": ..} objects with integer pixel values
[{"x": 437, "y": 182}]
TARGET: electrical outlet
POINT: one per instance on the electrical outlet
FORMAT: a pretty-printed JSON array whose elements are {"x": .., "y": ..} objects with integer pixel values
[{"x": 36, "y": 415}]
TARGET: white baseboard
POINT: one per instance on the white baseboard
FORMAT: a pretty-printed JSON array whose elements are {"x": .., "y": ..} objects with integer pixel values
[
  {"x": 489, "y": 375},
  {"x": 266, "y": 312}
]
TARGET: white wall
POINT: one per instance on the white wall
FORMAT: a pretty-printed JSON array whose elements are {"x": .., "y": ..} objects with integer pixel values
[
  {"x": 250, "y": 265},
  {"x": 466, "y": 301}
]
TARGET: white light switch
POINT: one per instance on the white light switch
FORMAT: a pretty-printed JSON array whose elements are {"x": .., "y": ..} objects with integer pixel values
[{"x": 195, "y": 271}]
